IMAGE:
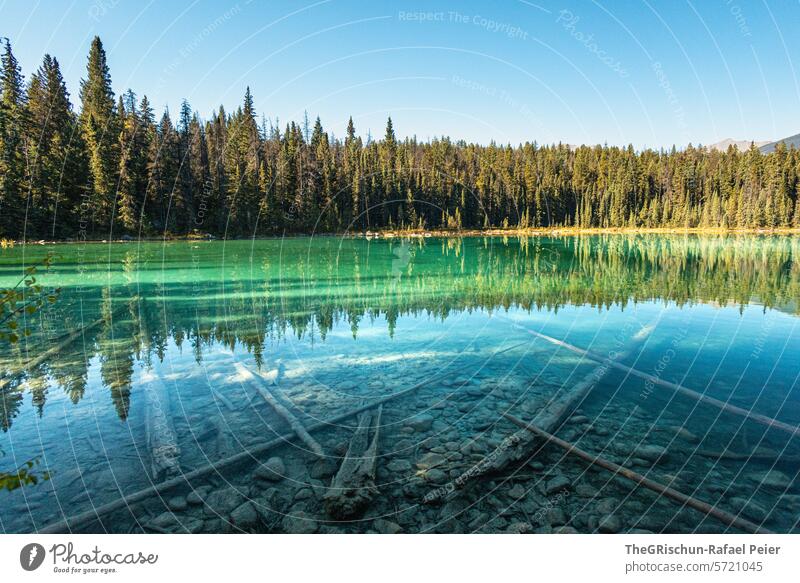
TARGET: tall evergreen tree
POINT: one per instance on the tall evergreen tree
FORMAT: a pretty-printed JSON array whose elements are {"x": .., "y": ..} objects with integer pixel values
[
  {"x": 101, "y": 130},
  {"x": 12, "y": 155}
]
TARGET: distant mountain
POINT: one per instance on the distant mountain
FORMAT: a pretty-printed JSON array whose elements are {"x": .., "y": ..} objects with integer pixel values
[
  {"x": 741, "y": 145},
  {"x": 790, "y": 141}
]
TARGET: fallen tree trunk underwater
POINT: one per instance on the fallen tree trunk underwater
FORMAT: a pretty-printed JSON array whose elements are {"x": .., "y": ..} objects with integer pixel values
[
  {"x": 516, "y": 447},
  {"x": 757, "y": 417},
  {"x": 97, "y": 513},
  {"x": 295, "y": 424},
  {"x": 670, "y": 493},
  {"x": 353, "y": 486}
]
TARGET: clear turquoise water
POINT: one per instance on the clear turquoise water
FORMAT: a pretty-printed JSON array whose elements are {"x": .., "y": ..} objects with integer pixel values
[{"x": 338, "y": 322}]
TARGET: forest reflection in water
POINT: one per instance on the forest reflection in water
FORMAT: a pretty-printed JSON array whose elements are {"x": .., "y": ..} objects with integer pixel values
[
  {"x": 198, "y": 295},
  {"x": 338, "y": 322}
]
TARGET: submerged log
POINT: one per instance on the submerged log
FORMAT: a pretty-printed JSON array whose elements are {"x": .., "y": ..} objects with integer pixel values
[
  {"x": 353, "y": 486},
  {"x": 77, "y": 521},
  {"x": 670, "y": 493},
  {"x": 273, "y": 401},
  {"x": 757, "y": 456},
  {"x": 160, "y": 432},
  {"x": 757, "y": 417},
  {"x": 521, "y": 444}
]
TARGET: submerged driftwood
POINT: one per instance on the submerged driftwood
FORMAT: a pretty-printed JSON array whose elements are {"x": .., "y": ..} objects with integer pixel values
[
  {"x": 670, "y": 493},
  {"x": 757, "y": 417},
  {"x": 71, "y": 523},
  {"x": 521, "y": 445},
  {"x": 264, "y": 389},
  {"x": 99, "y": 512},
  {"x": 353, "y": 486},
  {"x": 160, "y": 432}
]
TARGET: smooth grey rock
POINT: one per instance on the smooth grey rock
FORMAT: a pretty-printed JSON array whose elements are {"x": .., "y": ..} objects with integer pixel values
[
  {"x": 517, "y": 492},
  {"x": 557, "y": 484},
  {"x": 300, "y": 523},
  {"x": 430, "y": 460},
  {"x": 651, "y": 453},
  {"x": 196, "y": 496},
  {"x": 223, "y": 502},
  {"x": 245, "y": 516},
  {"x": 399, "y": 466},
  {"x": 386, "y": 526},
  {"x": 177, "y": 504},
  {"x": 273, "y": 470},
  {"x": 609, "y": 524},
  {"x": 586, "y": 491},
  {"x": 422, "y": 422},
  {"x": 436, "y": 476}
]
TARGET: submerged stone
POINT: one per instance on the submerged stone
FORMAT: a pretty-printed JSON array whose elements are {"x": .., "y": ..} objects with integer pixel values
[{"x": 273, "y": 470}]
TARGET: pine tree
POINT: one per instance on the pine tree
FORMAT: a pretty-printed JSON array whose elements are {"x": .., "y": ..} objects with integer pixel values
[
  {"x": 12, "y": 156},
  {"x": 100, "y": 128},
  {"x": 57, "y": 171}
]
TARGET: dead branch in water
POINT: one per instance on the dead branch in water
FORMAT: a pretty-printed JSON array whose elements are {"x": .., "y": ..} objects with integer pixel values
[
  {"x": 353, "y": 486},
  {"x": 288, "y": 416},
  {"x": 707, "y": 509},
  {"x": 69, "y": 524},
  {"x": 757, "y": 417}
]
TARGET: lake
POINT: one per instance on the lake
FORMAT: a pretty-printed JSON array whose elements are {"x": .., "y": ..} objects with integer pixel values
[{"x": 194, "y": 353}]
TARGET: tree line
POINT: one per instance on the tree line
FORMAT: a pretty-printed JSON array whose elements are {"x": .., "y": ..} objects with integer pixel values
[{"x": 113, "y": 170}]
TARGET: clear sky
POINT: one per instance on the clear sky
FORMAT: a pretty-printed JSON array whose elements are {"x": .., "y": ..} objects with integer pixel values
[{"x": 650, "y": 73}]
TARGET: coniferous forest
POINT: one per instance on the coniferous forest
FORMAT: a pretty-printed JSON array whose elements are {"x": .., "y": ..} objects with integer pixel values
[{"x": 114, "y": 169}]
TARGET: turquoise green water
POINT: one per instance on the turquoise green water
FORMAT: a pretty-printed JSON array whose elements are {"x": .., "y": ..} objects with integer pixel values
[{"x": 172, "y": 329}]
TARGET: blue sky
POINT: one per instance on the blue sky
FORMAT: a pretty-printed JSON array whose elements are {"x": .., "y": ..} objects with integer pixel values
[{"x": 650, "y": 73}]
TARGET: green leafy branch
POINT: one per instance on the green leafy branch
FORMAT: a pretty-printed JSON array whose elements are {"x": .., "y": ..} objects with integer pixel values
[
  {"x": 23, "y": 476},
  {"x": 26, "y": 297}
]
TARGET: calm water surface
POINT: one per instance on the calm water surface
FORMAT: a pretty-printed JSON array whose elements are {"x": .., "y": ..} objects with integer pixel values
[{"x": 172, "y": 332}]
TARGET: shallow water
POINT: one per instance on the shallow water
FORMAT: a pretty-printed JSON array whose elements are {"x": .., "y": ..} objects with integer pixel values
[{"x": 175, "y": 331}]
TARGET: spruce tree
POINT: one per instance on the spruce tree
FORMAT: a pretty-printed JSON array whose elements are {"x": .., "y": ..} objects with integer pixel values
[
  {"x": 12, "y": 156},
  {"x": 101, "y": 130}
]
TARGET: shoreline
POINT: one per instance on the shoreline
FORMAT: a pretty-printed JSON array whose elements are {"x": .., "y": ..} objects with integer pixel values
[{"x": 426, "y": 233}]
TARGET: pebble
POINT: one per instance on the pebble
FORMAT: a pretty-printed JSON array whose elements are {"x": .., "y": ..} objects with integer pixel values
[
  {"x": 557, "y": 484},
  {"x": 607, "y": 505},
  {"x": 177, "y": 504},
  {"x": 223, "y": 501},
  {"x": 192, "y": 526},
  {"x": 300, "y": 523},
  {"x": 196, "y": 496},
  {"x": 421, "y": 422},
  {"x": 272, "y": 471},
  {"x": 386, "y": 526},
  {"x": 651, "y": 453},
  {"x": 245, "y": 516},
  {"x": 609, "y": 524},
  {"x": 556, "y": 517},
  {"x": 303, "y": 494},
  {"x": 773, "y": 479},
  {"x": 436, "y": 476},
  {"x": 517, "y": 492},
  {"x": 750, "y": 509},
  {"x": 323, "y": 468},
  {"x": 586, "y": 491},
  {"x": 399, "y": 466},
  {"x": 430, "y": 460}
]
